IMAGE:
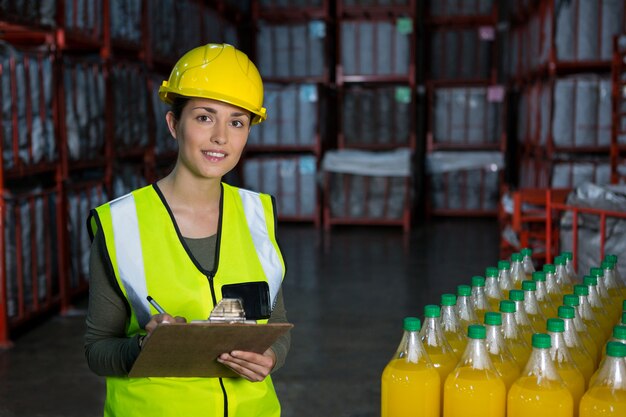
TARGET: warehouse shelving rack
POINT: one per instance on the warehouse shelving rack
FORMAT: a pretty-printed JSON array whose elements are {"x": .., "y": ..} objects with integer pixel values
[
  {"x": 618, "y": 133},
  {"x": 378, "y": 79},
  {"x": 462, "y": 50}
]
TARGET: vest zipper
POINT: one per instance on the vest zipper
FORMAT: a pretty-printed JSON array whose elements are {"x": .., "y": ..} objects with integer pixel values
[{"x": 210, "y": 278}]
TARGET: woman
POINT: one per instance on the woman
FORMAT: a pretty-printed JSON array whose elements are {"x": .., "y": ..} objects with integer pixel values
[{"x": 183, "y": 241}]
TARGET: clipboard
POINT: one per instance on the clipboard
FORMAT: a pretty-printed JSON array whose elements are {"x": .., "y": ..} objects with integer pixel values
[{"x": 191, "y": 349}]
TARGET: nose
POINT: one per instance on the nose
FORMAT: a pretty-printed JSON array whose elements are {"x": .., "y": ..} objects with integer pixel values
[{"x": 219, "y": 134}]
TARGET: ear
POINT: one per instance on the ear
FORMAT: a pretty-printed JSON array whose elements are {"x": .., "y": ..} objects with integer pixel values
[{"x": 171, "y": 123}]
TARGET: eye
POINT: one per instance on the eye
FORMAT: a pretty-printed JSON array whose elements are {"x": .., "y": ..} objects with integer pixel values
[
  {"x": 203, "y": 118},
  {"x": 238, "y": 123}
]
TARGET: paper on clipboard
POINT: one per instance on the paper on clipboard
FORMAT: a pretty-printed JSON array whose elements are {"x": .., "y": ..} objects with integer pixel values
[{"x": 191, "y": 349}]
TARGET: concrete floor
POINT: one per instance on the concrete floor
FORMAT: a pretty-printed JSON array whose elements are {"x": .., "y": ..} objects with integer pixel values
[{"x": 346, "y": 292}]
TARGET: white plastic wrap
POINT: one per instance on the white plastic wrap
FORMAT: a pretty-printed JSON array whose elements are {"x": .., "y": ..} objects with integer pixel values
[
  {"x": 396, "y": 163},
  {"x": 130, "y": 111},
  {"x": 610, "y": 198},
  {"x": 126, "y": 21}
]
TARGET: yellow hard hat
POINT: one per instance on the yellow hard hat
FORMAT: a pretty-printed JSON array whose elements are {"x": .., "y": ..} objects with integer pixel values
[{"x": 219, "y": 72}]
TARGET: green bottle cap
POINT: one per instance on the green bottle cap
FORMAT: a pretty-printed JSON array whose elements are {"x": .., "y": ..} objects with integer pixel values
[
  {"x": 624, "y": 317},
  {"x": 526, "y": 252},
  {"x": 476, "y": 331},
  {"x": 491, "y": 272},
  {"x": 517, "y": 257},
  {"x": 581, "y": 290},
  {"x": 412, "y": 324},
  {"x": 432, "y": 310},
  {"x": 608, "y": 265},
  {"x": 559, "y": 260},
  {"x": 542, "y": 341},
  {"x": 568, "y": 256},
  {"x": 571, "y": 300},
  {"x": 478, "y": 281},
  {"x": 616, "y": 349},
  {"x": 493, "y": 319},
  {"x": 528, "y": 285},
  {"x": 566, "y": 312},
  {"x": 504, "y": 265},
  {"x": 448, "y": 299},
  {"x": 610, "y": 257},
  {"x": 619, "y": 332},
  {"x": 507, "y": 306},
  {"x": 555, "y": 325},
  {"x": 539, "y": 276},
  {"x": 597, "y": 272},
  {"x": 589, "y": 280},
  {"x": 624, "y": 305},
  {"x": 463, "y": 291},
  {"x": 516, "y": 295},
  {"x": 549, "y": 269}
]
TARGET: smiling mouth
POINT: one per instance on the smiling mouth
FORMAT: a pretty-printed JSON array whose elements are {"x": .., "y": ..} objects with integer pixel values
[{"x": 214, "y": 154}]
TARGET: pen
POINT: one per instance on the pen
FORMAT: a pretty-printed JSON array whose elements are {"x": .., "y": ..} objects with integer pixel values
[{"x": 155, "y": 305}]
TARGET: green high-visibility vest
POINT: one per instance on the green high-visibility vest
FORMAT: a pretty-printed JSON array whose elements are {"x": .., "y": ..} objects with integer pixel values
[{"x": 149, "y": 257}]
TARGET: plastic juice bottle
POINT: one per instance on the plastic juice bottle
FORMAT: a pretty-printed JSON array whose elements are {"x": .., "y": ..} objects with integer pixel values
[
  {"x": 517, "y": 270},
  {"x": 540, "y": 391},
  {"x": 479, "y": 298},
  {"x": 562, "y": 276},
  {"x": 537, "y": 319},
  {"x": 583, "y": 331},
  {"x": 564, "y": 363},
  {"x": 616, "y": 291},
  {"x": 613, "y": 259},
  {"x": 523, "y": 322},
  {"x": 577, "y": 349},
  {"x": 465, "y": 307},
  {"x": 609, "y": 300},
  {"x": 569, "y": 267},
  {"x": 492, "y": 288},
  {"x": 545, "y": 302},
  {"x": 474, "y": 388},
  {"x": 607, "y": 395},
  {"x": 513, "y": 337},
  {"x": 501, "y": 357},
  {"x": 623, "y": 317},
  {"x": 434, "y": 341},
  {"x": 527, "y": 262},
  {"x": 410, "y": 385},
  {"x": 552, "y": 287},
  {"x": 451, "y": 325},
  {"x": 599, "y": 309},
  {"x": 619, "y": 335},
  {"x": 504, "y": 277},
  {"x": 587, "y": 315}
]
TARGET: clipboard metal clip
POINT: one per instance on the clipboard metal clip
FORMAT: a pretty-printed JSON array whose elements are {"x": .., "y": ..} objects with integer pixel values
[{"x": 229, "y": 310}]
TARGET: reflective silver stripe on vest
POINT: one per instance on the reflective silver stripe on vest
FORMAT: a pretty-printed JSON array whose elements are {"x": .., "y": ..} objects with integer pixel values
[
  {"x": 270, "y": 261},
  {"x": 129, "y": 255}
]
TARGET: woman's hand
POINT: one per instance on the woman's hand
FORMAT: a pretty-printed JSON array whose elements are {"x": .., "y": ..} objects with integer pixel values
[
  {"x": 160, "y": 319},
  {"x": 249, "y": 365}
]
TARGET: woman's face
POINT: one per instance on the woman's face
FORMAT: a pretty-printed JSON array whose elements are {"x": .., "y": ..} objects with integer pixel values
[{"x": 211, "y": 136}]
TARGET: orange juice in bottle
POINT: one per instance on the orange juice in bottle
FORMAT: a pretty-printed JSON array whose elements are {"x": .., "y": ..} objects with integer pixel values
[
  {"x": 598, "y": 306},
  {"x": 435, "y": 344},
  {"x": 609, "y": 299},
  {"x": 452, "y": 329},
  {"x": 581, "y": 356},
  {"x": 504, "y": 277},
  {"x": 474, "y": 388},
  {"x": 465, "y": 307},
  {"x": 545, "y": 302},
  {"x": 587, "y": 316},
  {"x": 410, "y": 385},
  {"x": 619, "y": 335},
  {"x": 540, "y": 391},
  {"x": 513, "y": 337},
  {"x": 479, "y": 298},
  {"x": 537, "y": 319},
  {"x": 606, "y": 395},
  {"x": 523, "y": 322},
  {"x": 565, "y": 365},
  {"x": 502, "y": 358},
  {"x": 585, "y": 334},
  {"x": 492, "y": 288},
  {"x": 517, "y": 270}
]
